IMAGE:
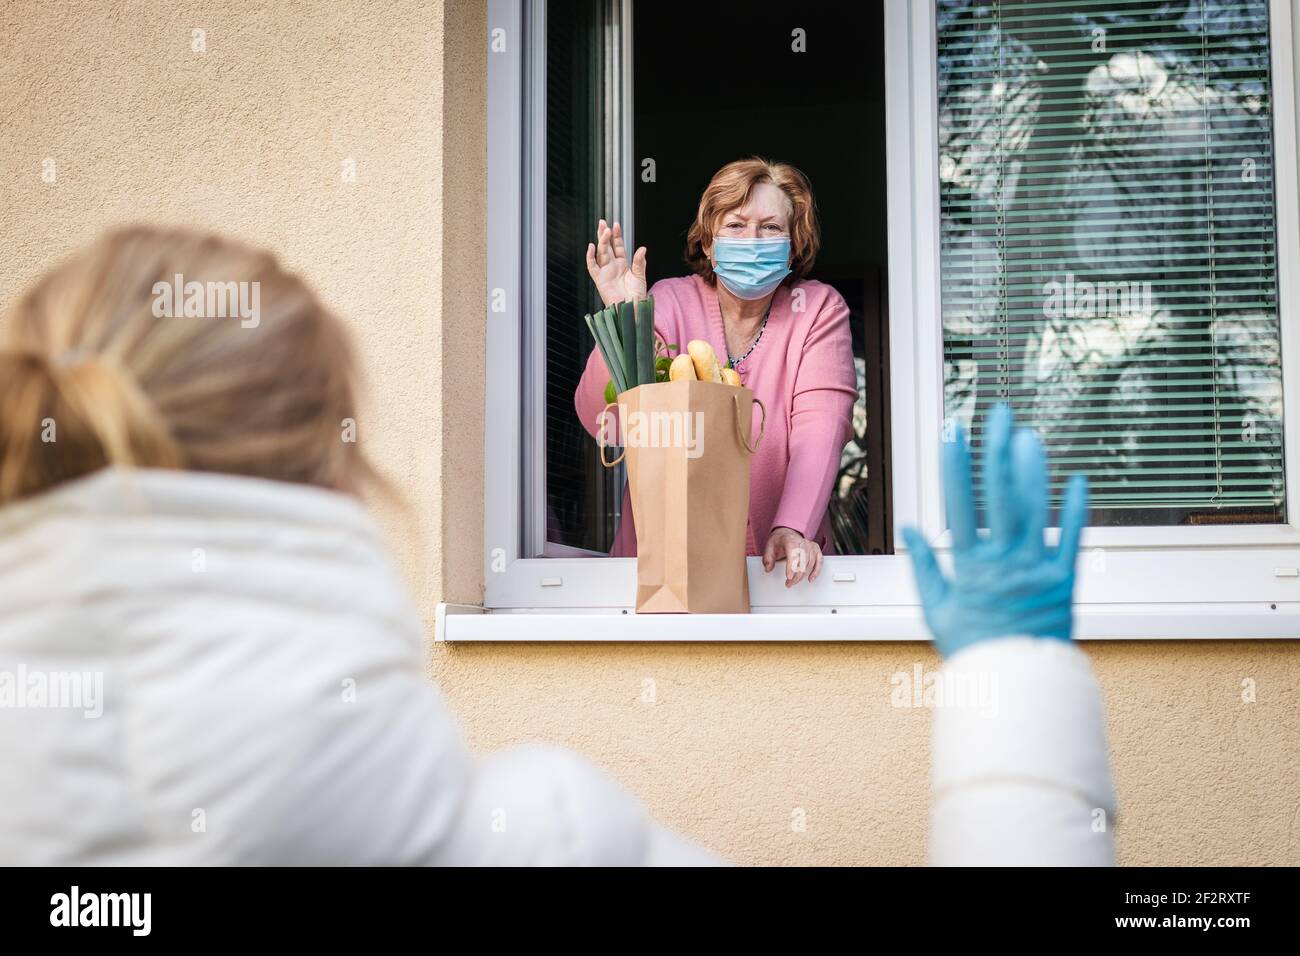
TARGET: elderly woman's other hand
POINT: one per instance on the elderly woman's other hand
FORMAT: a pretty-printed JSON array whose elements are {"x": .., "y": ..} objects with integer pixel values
[
  {"x": 803, "y": 557},
  {"x": 616, "y": 279}
]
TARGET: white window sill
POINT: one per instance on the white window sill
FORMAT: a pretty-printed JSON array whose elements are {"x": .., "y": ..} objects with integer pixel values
[
  {"x": 1189, "y": 621},
  {"x": 1150, "y": 594}
]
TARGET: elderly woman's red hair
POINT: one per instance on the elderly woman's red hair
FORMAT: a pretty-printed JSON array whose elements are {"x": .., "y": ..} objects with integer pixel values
[{"x": 730, "y": 188}]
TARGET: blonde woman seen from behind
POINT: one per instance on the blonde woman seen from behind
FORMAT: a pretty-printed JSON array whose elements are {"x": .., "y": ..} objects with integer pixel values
[{"x": 185, "y": 554}]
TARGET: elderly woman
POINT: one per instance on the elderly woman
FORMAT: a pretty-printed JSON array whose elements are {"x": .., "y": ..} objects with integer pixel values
[{"x": 751, "y": 247}]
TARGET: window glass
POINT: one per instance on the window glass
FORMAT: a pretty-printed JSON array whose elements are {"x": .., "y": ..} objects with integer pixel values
[
  {"x": 583, "y": 499},
  {"x": 1108, "y": 246}
]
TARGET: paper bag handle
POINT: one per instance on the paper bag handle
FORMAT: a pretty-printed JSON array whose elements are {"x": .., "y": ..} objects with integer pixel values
[
  {"x": 761, "y": 428},
  {"x": 603, "y": 446}
]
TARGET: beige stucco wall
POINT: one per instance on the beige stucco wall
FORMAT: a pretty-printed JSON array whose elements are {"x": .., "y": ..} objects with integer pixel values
[{"x": 250, "y": 138}]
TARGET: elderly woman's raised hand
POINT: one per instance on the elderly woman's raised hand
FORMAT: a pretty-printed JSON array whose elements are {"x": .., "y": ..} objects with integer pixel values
[{"x": 616, "y": 279}]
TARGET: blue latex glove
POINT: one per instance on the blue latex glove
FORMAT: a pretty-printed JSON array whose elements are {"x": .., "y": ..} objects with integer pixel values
[{"x": 1009, "y": 583}]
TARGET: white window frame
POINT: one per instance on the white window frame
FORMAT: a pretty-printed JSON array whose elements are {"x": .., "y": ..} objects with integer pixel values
[{"x": 1142, "y": 583}]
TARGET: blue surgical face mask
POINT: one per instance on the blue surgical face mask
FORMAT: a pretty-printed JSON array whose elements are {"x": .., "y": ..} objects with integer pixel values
[{"x": 751, "y": 268}]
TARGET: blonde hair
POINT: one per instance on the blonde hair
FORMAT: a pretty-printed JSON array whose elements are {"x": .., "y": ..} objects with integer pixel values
[
  {"x": 91, "y": 374},
  {"x": 730, "y": 188}
]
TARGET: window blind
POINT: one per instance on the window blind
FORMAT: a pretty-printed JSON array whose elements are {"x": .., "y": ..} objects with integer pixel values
[{"x": 1108, "y": 253}]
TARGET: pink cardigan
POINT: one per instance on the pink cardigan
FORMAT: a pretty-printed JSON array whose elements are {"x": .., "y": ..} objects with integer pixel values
[{"x": 801, "y": 369}]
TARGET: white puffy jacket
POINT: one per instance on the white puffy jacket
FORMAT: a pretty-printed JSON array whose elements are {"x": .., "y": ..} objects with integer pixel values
[
  {"x": 263, "y": 699},
  {"x": 1021, "y": 775},
  {"x": 206, "y": 669}
]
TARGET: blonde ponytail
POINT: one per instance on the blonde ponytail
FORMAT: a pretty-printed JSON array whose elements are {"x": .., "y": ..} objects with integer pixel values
[
  {"x": 63, "y": 422},
  {"x": 118, "y": 416},
  {"x": 91, "y": 374},
  {"x": 27, "y": 400}
]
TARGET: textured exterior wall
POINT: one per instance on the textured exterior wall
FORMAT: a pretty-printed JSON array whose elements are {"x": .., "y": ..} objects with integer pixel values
[{"x": 250, "y": 138}]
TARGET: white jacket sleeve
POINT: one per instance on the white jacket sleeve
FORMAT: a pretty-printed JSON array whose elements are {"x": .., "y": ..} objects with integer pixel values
[
  {"x": 388, "y": 779},
  {"x": 1021, "y": 775},
  {"x": 538, "y": 805}
]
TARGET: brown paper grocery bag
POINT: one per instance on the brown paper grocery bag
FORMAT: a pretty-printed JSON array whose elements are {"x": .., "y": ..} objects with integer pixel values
[{"x": 688, "y": 447}]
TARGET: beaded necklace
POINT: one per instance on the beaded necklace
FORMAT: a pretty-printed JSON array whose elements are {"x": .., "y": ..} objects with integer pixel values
[{"x": 753, "y": 345}]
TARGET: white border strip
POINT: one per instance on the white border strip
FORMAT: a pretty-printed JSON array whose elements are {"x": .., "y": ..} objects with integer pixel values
[
  {"x": 502, "y": 513},
  {"x": 766, "y": 625}
]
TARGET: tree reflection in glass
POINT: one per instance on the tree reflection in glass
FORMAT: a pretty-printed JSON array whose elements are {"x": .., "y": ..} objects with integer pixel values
[{"x": 1106, "y": 187}]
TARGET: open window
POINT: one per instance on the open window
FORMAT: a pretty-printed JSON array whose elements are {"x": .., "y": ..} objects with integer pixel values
[
  {"x": 1076, "y": 206},
  {"x": 630, "y": 135}
]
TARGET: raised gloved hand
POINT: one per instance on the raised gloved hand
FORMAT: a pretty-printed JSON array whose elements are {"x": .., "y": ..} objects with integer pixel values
[{"x": 1010, "y": 582}]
